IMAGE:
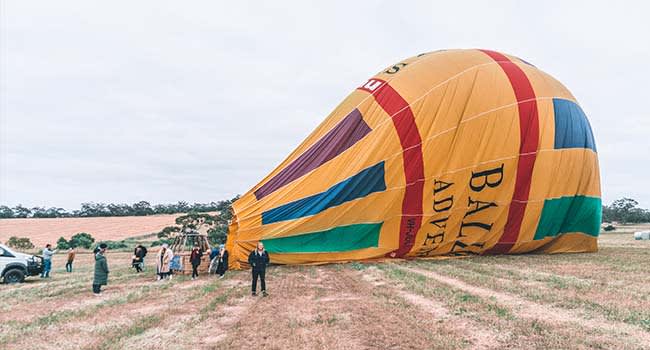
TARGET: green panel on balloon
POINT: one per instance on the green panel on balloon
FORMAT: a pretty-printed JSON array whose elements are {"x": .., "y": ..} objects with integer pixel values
[
  {"x": 570, "y": 214},
  {"x": 338, "y": 239}
]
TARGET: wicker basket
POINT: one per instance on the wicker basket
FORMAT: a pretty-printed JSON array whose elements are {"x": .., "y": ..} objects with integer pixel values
[{"x": 182, "y": 246}]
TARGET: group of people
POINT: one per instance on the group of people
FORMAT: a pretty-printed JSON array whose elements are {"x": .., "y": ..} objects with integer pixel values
[
  {"x": 48, "y": 252},
  {"x": 258, "y": 259},
  {"x": 166, "y": 261}
]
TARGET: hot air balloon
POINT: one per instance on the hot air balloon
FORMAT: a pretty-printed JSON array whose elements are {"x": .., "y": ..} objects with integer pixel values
[{"x": 451, "y": 152}]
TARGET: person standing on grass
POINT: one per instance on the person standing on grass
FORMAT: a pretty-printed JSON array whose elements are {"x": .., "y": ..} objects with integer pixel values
[
  {"x": 71, "y": 255},
  {"x": 163, "y": 259},
  {"x": 47, "y": 260},
  {"x": 138, "y": 259},
  {"x": 222, "y": 261},
  {"x": 141, "y": 255},
  {"x": 195, "y": 260},
  {"x": 259, "y": 259},
  {"x": 101, "y": 270}
]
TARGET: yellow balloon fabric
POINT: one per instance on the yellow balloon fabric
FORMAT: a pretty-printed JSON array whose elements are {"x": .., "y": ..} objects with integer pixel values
[{"x": 451, "y": 152}]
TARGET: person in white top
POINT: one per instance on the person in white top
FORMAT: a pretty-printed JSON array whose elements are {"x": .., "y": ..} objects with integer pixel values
[{"x": 47, "y": 260}]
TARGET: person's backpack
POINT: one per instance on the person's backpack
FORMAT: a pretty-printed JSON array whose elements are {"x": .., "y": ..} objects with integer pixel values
[
  {"x": 175, "y": 263},
  {"x": 144, "y": 251}
]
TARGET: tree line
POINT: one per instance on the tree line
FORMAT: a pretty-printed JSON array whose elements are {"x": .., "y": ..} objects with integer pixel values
[
  {"x": 213, "y": 220},
  {"x": 92, "y": 209},
  {"x": 625, "y": 210}
]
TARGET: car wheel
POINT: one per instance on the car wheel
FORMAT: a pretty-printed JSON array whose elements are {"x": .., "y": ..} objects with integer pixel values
[{"x": 14, "y": 276}]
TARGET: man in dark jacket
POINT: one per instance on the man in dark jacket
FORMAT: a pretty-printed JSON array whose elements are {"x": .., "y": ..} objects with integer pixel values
[
  {"x": 259, "y": 259},
  {"x": 101, "y": 270}
]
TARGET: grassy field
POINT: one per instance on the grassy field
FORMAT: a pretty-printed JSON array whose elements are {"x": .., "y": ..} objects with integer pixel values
[
  {"x": 599, "y": 300},
  {"x": 115, "y": 228}
]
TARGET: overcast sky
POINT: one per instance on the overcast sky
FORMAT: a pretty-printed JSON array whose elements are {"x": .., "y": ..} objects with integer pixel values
[{"x": 122, "y": 101}]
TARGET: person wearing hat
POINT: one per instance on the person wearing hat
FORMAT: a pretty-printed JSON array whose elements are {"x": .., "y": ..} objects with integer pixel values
[
  {"x": 222, "y": 261},
  {"x": 101, "y": 270}
]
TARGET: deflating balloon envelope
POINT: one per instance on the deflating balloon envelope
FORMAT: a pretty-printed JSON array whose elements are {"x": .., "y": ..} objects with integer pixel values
[{"x": 445, "y": 153}]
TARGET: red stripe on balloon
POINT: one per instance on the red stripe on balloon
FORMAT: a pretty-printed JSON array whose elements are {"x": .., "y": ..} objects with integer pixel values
[
  {"x": 529, "y": 141},
  {"x": 409, "y": 135}
]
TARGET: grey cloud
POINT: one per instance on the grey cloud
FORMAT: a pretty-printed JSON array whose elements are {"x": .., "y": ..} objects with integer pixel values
[{"x": 167, "y": 101}]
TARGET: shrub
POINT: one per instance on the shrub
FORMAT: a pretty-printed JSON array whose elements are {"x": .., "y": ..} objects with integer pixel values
[
  {"x": 161, "y": 242},
  {"x": 168, "y": 232},
  {"x": 62, "y": 243},
  {"x": 116, "y": 244},
  {"x": 20, "y": 243},
  {"x": 82, "y": 239}
]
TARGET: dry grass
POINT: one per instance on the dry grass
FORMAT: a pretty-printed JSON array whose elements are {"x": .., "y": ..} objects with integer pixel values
[
  {"x": 583, "y": 301},
  {"x": 43, "y": 231}
]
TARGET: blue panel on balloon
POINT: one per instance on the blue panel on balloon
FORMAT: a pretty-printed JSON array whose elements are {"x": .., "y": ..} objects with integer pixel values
[{"x": 572, "y": 129}]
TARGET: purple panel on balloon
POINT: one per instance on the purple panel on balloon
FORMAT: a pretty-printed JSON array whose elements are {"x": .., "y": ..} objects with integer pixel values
[{"x": 345, "y": 134}]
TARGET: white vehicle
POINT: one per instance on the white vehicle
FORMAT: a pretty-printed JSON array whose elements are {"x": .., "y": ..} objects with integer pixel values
[
  {"x": 642, "y": 235},
  {"x": 14, "y": 266}
]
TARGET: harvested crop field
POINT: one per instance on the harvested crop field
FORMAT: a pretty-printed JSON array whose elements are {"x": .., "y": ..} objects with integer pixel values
[
  {"x": 42, "y": 231},
  {"x": 599, "y": 300}
]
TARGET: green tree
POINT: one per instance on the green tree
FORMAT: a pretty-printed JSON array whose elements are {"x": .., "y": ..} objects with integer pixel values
[
  {"x": 82, "y": 239},
  {"x": 195, "y": 221},
  {"x": 608, "y": 214},
  {"x": 21, "y": 212},
  {"x": 218, "y": 233},
  {"x": 161, "y": 242},
  {"x": 21, "y": 243},
  {"x": 623, "y": 209},
  {"x": 62, "y": 243},
  {"x": 168, "y": 231},
  {"x": 6, "y": 212},
  {"x": 181, "y": 207},
  {"x": 142, "y": 208},
  {"x": 119, "y": 209},
  {"x": 116, "y": 244},
  {"x": 40, "y": 212}
]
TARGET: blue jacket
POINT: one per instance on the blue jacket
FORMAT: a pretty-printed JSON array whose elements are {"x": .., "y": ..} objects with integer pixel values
[{"x": 214, "y": 252}]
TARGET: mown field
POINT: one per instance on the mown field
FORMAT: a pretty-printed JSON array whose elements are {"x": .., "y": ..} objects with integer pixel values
[
  {"x": 578, "y": 301},
  {"x": 115, "y": 228}
]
